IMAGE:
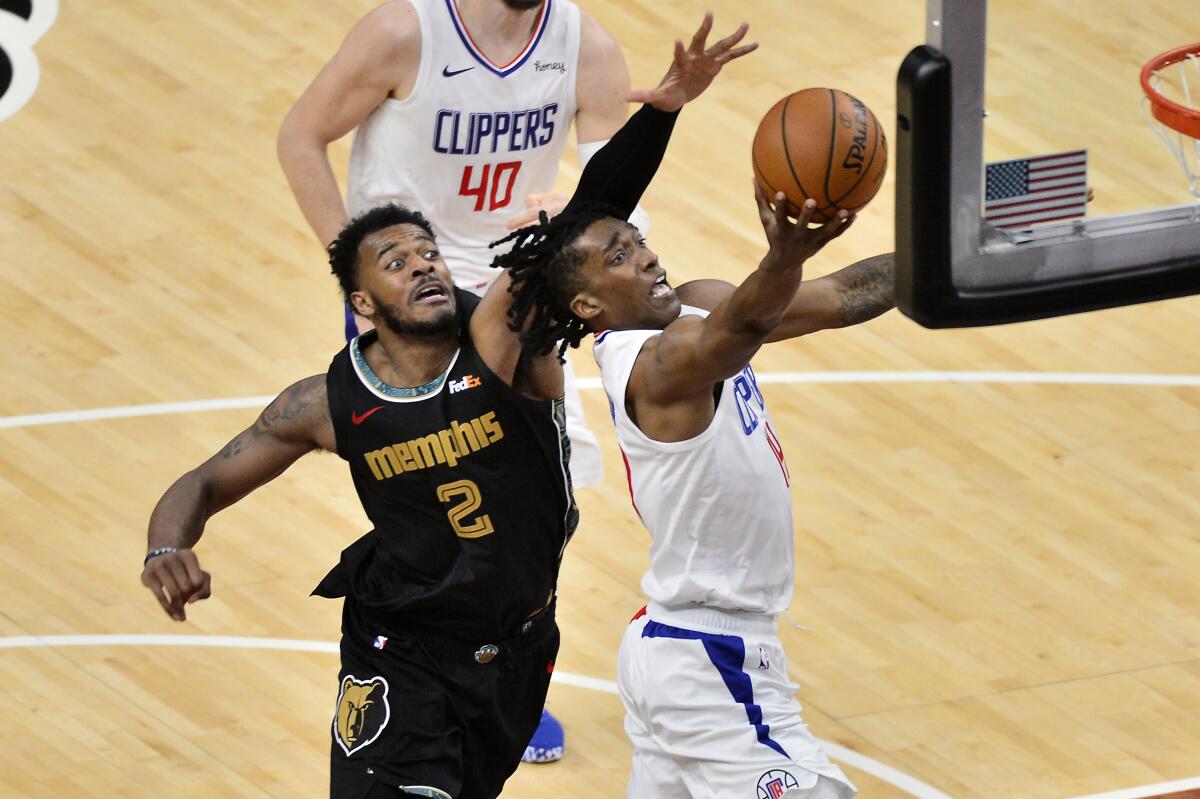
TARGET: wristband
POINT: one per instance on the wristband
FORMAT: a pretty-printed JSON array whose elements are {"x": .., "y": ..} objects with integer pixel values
[{"x": 154, "y": 553}]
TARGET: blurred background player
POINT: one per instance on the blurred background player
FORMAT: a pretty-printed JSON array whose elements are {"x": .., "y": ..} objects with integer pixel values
[
  {"x": 702, "y": 674},
  {"x": 461, "y": 110}
]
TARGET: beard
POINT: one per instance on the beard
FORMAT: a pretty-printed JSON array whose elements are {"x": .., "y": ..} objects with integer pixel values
[
  {"x": 522, "y": 5},
  {"x": 443, "y": 324}
]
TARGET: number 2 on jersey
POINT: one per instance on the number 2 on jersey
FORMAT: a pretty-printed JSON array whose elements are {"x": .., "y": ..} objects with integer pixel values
[
  {"x": 494, "y": 187},
  {"x": 469, "y": 500}
]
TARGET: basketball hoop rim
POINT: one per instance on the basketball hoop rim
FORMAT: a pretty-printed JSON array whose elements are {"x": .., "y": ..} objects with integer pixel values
[{"x": 1173, "y": 115}]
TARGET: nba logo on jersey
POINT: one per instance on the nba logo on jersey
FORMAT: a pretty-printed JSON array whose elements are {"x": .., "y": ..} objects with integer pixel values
[
  {"x": 380, "y": 641},
  {"x": 772, "y": 784}
]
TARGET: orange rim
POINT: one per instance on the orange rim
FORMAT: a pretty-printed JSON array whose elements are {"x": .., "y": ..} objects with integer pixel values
[{"x": 1173, "y": 115}]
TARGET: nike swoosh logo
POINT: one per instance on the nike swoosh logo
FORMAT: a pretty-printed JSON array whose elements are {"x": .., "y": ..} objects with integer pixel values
[
  {"x": 354, "y": 417},
  {"x": 446, "y": 73}
]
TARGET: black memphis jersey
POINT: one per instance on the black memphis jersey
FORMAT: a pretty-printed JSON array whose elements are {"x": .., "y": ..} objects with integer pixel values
[{"x": 467, "y": 487}]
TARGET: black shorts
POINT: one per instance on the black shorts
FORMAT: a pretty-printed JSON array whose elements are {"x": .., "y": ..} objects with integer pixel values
[{"x": 435, "y": 717}]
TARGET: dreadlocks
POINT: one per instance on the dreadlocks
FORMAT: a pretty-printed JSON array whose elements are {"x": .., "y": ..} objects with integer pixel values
[{"x": 544, "y": 266}]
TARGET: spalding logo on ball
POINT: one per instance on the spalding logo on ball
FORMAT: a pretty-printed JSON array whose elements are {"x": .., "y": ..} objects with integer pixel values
[{"x": 821, "y": 144}]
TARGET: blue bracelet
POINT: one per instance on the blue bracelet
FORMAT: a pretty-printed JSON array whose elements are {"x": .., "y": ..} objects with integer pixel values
[{"x": 154, "y": 553}]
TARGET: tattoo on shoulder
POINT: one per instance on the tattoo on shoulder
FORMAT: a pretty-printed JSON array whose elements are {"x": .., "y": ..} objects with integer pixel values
[
  {"x": 867, "y": 289},
  {"x": 307, "y": 396}
]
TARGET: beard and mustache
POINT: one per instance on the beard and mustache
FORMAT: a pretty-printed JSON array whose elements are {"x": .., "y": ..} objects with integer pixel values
[{"x": 442, "y": 324}]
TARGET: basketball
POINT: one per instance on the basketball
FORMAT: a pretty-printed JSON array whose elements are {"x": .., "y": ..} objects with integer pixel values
[{"x": 821, "y": 144}]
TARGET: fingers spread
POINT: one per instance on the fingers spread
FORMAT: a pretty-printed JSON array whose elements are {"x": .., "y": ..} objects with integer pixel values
[
  {"x": 840, "y": 226},
  {"x": 730, "y": 40},
  {"x": 725, "y": 58},
  {"x": 680, "y": 53},
  {"x": 702, "y": 33}
]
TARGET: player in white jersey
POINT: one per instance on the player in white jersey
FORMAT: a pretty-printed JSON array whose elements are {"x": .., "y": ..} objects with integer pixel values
[
  {"x": 709, "y": 706},
  {"x": 462, "y": 110}
]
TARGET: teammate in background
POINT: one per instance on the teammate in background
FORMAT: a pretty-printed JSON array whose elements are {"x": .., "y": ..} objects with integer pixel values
[
  {"x": 462, "y": 110},
  {"x": 448, "y": 633},
  {"x": 702, "y": 674}
]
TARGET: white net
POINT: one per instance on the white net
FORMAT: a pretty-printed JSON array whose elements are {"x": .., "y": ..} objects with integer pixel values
[{"x": 1179, "y": 82}]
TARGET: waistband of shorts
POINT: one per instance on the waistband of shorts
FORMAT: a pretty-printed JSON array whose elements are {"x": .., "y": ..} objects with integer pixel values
[
  {"x": 531, "y": 633},
  {"x": 715, "y": 620}
]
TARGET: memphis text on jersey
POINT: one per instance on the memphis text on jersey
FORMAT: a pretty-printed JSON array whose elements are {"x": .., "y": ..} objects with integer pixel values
[
  {"x": 445, "y": 446},
  {"x": 470, "y": 133}
]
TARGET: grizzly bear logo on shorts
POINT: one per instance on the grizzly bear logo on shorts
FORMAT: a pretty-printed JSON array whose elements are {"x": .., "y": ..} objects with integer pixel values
[{"x": 362, "y": 712}]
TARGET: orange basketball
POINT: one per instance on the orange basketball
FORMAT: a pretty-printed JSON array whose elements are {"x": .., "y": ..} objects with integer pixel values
[{"x": 822, "y": 144}]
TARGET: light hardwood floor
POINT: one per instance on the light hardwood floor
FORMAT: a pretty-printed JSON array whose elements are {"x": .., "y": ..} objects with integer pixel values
[{"x": 1001, "y": 580}]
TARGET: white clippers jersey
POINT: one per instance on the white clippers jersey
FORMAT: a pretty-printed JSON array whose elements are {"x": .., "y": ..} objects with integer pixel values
[
  {"x": 717, "y": 506},
  {"x": 474, "y": 138}
]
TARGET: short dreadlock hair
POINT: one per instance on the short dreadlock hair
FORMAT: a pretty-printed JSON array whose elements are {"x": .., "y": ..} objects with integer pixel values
[
  {"x": 343, "y": 251},
  {"x": 544, "y": 266}
]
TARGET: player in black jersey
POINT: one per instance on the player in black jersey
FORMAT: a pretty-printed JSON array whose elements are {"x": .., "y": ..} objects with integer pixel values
[{"x": 448, "y": 632}]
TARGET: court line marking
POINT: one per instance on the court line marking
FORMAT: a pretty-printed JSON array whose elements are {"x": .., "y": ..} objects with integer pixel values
[
  {"x": 1147, "y": 790},
  {"x": 896, "y": 778},
  {"x": 904, "y": 782},
  {"x": 1051, "y": 378}
]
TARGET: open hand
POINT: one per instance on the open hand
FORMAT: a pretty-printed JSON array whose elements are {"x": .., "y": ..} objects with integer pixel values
[
  {"x": 793, "y": 243},
  {"x": 176, "y": 579},
  {"x": 694, "y": 68}
]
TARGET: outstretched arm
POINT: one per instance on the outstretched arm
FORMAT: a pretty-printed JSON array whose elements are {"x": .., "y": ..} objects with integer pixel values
[
  {"x": 295, "y": 423},
  {"x": 850, "y": 296},
  {"x": 619, "y": 174},
  {"x": 693, "y": 354}
]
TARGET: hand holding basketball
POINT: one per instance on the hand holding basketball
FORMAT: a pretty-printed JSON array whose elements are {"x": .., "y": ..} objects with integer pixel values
[
  {"x": 693, "y": 68},
  {"x": 822, "y": 144},
  {"x": 793, "y": 243}
]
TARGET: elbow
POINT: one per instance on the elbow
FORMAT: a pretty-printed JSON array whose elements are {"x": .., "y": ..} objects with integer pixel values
[{"x": 294, "y": 141}]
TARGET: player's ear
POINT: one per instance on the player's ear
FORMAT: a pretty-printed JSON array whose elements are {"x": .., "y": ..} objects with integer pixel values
[
  {"x": 585, "y": 306},
  {"x": 362, "y": 303}
]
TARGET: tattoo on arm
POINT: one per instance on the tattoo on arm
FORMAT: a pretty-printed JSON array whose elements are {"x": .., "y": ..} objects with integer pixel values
[
  {"x": 307, "y": 396},
  {"x": 231, "y": 449},
  {"x": 867, "y": 288}
]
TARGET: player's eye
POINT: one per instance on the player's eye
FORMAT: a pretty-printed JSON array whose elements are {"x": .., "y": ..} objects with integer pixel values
[
  {"x": 642, "y": 243},
  {"x": 432, "y": 255},
  {"x": 396, "y": 263},
  {"x": 619, "y": 258}
]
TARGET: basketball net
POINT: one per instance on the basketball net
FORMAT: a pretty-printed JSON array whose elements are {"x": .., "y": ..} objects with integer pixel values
[{"x": 1171, "y": 81}]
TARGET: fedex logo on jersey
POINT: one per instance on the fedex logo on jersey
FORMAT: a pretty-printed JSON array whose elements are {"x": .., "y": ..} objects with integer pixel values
[
  {"x": 468, "y": 381},
  {"x": 471, "y": 133},
  {"x": 749, "y": 398}
]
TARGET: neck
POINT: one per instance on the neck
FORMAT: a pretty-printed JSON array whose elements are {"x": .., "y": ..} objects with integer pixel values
[
  {"x": 497, "y": 29},
  {"x": 407, "y": 361}
]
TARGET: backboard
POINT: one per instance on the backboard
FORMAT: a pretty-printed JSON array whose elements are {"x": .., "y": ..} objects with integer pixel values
[{"x": 954, "y": 269}]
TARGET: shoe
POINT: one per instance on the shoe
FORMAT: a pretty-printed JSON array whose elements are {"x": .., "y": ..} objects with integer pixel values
[{"x": 546, "y": 746}]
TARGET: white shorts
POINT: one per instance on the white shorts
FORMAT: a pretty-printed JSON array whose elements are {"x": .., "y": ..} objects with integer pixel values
[
  {"x": 711, "y": 712},
  {"x": 587, "y": 466}
]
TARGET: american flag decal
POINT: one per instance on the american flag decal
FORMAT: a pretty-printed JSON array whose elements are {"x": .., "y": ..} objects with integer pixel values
[{"x": 1028, "y": 191}]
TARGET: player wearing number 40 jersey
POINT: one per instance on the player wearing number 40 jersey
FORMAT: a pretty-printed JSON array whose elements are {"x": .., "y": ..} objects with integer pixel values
[{"x": 461, "y": 110}]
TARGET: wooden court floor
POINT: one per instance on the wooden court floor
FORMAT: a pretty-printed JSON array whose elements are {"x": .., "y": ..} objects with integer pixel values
[{"x": 997, "y": 581}]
